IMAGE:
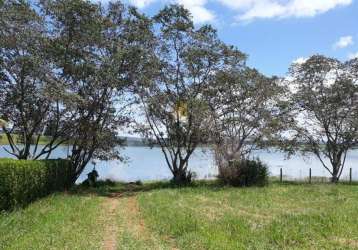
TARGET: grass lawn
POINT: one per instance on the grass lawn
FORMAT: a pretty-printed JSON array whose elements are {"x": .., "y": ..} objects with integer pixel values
[
  {"x": 276, "y": 217},
  {"x": 204, "y": 216},
  {"x": 60, "y": 221},
  {"x": 43, "y": 139}
]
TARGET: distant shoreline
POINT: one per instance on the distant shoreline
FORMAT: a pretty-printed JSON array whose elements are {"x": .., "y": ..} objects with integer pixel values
[{"x": 129, "y": 141}]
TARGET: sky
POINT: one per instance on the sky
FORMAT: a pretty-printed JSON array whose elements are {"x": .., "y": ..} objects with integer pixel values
[{"x": 275, "y": 33}]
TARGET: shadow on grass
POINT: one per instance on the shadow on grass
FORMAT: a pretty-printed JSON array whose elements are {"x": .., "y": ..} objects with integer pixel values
[
  {"x": 307, "y": 183},
  {"x": 112, "y": 189},
  {"x": 120, "y": 189}
]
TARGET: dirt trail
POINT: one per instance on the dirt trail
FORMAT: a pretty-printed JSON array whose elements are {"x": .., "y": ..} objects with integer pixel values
[
  {"x": 139, "y": 228},
  {"x": 134, "y": 216},
  {"x": 110, "y": 240},
  {"x": 122, "y": 219}
]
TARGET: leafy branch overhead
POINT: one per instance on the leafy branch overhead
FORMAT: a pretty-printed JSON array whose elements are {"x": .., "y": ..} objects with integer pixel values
[
  {"x": 79, "y": 72},
  {"x": 325, "y": 110}
]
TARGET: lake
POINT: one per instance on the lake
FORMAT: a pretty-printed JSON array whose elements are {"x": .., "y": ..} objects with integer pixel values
[{"x": 148, "y": 164}]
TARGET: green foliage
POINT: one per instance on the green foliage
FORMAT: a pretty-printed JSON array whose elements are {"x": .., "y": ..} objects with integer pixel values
[
  {"x": 244, "y": 110},
  {"x": 22, "y": 182},
  {"x": 244, "y": 173},
  {"x": 175, "y": 109},
  {"x": 183, "y": 178},
  {"x": 326, "y": 99},
  {"x": 29, "y": 94}
]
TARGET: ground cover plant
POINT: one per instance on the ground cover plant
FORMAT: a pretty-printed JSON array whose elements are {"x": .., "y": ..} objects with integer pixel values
[
  {"x": 42, "y": 141},
  {"x": 244, "y": 173},
  {"x": 276, "y": 217},
  {"x": 22, "y": 182},
  {"x": 59, "y": 221},
  {"x": 204, "y": 215}
]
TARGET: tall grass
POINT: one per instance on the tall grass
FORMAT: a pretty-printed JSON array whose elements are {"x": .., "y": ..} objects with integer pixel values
[{"x": 275, "y": 217}]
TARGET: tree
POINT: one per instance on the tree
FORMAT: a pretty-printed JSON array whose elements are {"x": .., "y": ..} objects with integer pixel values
[
  {"x": 27, "y": 100},
  {"x": 245, "y": 113},
  {"x": 174, "y": 106},
  {"x": 97, "y": 54},
  {"x": 66, "y": 67},
  {"x": 325, "y": 110}
]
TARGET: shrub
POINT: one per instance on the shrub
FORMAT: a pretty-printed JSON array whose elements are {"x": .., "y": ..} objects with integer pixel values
[
  {"x": 22, "y": 182},
  {"x": 244, "y": 173},
  {"x": 184, "y": 178}
]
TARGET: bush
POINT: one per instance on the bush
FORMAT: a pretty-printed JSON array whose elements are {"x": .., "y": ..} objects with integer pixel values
[
  {"x": 244, "y": 173},
  {"x": 184, "y": 178},
  {"x": 22, "y": 182}
]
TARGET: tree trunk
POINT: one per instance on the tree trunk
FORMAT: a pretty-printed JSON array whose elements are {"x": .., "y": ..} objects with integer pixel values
[
  {"x": 73, "y": 180},
  {"x": 181, "y": 175},
  {"x": 335, "y": 177}
]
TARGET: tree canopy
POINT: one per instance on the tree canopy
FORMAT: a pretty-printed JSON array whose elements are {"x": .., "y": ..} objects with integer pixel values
[
  {"x": 324, "y": 110},
  {"x": 174, "y": 106},
  {"x": 72, "y": 70}
]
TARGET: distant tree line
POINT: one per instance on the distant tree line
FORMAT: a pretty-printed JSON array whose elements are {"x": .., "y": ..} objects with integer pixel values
[{"x": 76, "y": 70}]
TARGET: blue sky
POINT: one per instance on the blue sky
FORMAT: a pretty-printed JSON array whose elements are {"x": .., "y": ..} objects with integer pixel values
[{"x": 274, "y": 33}]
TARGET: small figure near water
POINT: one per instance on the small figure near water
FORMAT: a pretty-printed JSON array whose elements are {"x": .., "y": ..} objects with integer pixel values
[{"x": 92, "y": 177}]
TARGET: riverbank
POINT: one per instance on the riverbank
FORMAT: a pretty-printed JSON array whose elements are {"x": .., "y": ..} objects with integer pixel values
[
  {"x": 42, "y": 141},
  {"x": 127, "y": 141},
  {"x": 202, "y": 163},
  {"x": 203, "y": 216}
]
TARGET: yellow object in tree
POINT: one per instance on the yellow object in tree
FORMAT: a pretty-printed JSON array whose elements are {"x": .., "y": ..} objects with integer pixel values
[
  {"x": 181, "y": 108},
  {"x": 2, "y": 123}
]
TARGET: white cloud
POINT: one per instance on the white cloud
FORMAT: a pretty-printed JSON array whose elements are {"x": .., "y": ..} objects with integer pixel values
[
  {"x": 198, "y": 10},
  {"x": 141, "y": 3},
  {"x": 259, "y": 9},
  {"x": 343, "y": 42},
  {"x": 249, "y": 10},
  {"x": 353, "y": 56},
  {"x": 300, "y": 60},
  {"x": 239, "y": 4}
]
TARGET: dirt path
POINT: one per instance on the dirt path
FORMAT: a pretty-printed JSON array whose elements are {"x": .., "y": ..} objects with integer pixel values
[
  {"x": 125, "y": 227},
  {"x": 132, "y": 223},
  {"x": 111, "y": 230},
  {"x": 134, "y": 216},
  {"x": 140, "y": 231}
]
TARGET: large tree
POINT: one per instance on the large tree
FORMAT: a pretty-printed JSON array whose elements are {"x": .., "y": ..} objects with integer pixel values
[
  {"x": 174, "y": 106},
  {"x": 98, "y": 55},
  {"x": 28, "y": 101},
  {"x": 325, "y": 110},
  {"x": 245, "y": 113},
  {"x": 66, "y": 67}
]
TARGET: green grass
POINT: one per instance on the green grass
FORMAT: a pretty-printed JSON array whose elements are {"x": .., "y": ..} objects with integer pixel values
[
  {"x": 275, "y": 217},
  {"x": 202, "y": 216},
  {"x": 43, "y": 139},
  {"x": 60, "y": 221}
]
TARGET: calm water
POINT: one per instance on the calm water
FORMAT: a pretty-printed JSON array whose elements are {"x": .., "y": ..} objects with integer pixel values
[{"x": 148, "y": 164}]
